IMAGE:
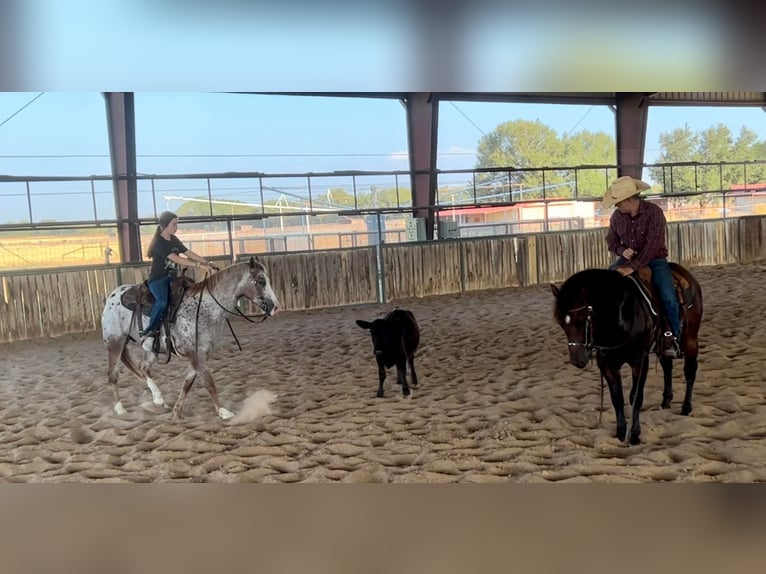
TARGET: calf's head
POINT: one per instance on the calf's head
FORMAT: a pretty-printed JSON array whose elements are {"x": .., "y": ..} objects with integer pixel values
[{"x": 378, "y": 332}]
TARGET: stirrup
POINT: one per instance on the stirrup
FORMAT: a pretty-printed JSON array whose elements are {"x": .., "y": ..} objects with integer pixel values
[{"x": 672, "y": 347}]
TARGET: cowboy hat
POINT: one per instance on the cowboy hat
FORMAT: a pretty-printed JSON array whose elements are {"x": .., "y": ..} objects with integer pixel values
[{"x": 623, "y": 188}]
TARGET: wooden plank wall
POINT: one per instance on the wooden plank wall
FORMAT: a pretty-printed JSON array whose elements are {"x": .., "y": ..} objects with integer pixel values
[
  {"x": 319, "y": 279},
  {"x": 490, "y": 263},
  {"x": 559, "y": 255},
  {"x": 421, "y": 269},
  {"x": 752, "y": 232},
  {"x": 56, "y": 302}
]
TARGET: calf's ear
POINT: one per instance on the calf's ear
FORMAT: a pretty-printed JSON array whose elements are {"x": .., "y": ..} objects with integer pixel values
[
  {"x": 363, "y": 324},
  {"x": 554, "y": 290}
]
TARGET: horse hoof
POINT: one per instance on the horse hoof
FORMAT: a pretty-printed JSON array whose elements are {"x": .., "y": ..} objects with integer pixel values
[
  {"x": 225, "y": 413},
  {"x": 119, "y": 409},
  {"x": 686, "y": 411},
  {"x": 634, "y": 440},
  {"x": 665, "y": 405},
  {"x": 154, "y": 408}
]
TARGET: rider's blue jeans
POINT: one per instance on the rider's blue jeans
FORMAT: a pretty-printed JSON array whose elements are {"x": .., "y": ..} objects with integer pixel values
[
  {"x": 160, "y": 288},
  {"x": 662, "y": 279}
]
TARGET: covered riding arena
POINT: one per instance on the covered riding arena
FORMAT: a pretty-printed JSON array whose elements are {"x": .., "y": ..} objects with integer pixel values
[{"x": 498, "y": 400}]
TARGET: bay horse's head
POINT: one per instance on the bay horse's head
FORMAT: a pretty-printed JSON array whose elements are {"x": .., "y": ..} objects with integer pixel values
[
  {"x": 575, "y": 316},
  {"x": 258, "y": 288},
  {"x": 589, "y": 307}
]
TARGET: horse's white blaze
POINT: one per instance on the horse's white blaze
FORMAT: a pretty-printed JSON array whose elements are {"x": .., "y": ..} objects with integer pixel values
[
  {"x": 567, "y": 319},
  {"x": 225, "y": 413},
  {"x": 119, "y": 409},
  {"x": 156, "y": 393}
]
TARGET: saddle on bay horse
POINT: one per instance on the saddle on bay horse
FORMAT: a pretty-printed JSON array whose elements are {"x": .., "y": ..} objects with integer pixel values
[{"x": 683, "y": 295}]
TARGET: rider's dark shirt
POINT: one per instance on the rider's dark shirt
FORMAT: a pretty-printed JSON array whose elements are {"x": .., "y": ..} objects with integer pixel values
[
  {"x": 161, "y": 265},
  {"x": 644, "y": 234}
]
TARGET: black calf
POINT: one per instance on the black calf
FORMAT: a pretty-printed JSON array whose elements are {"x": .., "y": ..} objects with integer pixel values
[{"x": 395, "y": 339}]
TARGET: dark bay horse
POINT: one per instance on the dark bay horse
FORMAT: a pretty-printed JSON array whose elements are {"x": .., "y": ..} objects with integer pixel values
[
  {"x": 198, "y": 327},
  {"x": 604, "y": 313}
]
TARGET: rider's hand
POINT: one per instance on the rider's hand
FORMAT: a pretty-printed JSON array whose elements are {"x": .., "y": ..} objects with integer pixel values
[{"x": 628, "y": 253}]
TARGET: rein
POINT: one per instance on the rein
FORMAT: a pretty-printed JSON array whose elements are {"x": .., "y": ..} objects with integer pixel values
[
  {"x": 236, "y": 311},
  {"x": 217, "y": 302},
  {"x": 590, "y": 347}
]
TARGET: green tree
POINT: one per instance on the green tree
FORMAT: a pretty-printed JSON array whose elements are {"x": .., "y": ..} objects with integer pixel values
[
  {"x": 712, "y": 145},
  {"x": 531, "y": 144}
]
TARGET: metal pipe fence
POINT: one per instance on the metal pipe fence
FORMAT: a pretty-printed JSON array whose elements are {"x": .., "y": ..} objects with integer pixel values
[{"x": 233, "y": 213}]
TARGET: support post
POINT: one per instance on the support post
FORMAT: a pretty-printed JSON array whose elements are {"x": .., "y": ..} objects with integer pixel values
[
  {"x": 422, "y": 128},
  {"x": 120, "y": 116}
]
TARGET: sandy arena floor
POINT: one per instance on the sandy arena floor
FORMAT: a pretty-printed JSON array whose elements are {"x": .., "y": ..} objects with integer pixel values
[{"x": 497, "y": 402}]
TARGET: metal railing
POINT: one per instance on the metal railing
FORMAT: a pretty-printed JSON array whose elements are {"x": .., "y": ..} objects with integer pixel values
[{"x": 313, "y": 211}]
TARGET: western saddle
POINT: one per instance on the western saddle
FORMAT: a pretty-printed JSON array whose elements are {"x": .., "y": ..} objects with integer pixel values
[
  {"x": 683, "y": 294},
  {"x": 140, "y": 299}
]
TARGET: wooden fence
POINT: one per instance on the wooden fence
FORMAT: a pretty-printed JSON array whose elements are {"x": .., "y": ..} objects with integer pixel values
[{"x": 54, "y": 302}]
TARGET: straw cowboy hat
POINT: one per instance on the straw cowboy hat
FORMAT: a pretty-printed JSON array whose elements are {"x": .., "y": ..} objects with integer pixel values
[{"x": 623, "y": 188}]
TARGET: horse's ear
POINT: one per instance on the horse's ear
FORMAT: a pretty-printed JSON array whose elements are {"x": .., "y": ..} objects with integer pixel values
[
  {"x": 554, "y": 290},
  {"x": 363, "y": 324},
  {"x": 252, "y": 262}
]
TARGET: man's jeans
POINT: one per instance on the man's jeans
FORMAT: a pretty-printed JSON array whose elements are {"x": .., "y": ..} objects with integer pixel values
[{"x": 662, "y": 279}]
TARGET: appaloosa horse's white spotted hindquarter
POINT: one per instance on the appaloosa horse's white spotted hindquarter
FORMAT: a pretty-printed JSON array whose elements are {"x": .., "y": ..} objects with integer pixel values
[{"x": 199, "y": 325}]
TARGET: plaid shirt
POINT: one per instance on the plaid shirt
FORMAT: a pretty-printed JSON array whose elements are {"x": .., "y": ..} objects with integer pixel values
[{"x": 644, "y": 234}]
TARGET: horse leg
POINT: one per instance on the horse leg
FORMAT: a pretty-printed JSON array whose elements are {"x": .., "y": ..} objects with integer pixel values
[
  {"x": 117, "y": 351},
  {"x": 612, "y": 375},
  {"x": 145, "y": 372},
  {"x": 667, "y": 375},
  {"x": 381, "y": 376},
  {"x": 690, "y": 374},
  {"x": 639, "y": 370},
  {"x": 114, "y": 351},
  {"x": 179, "y": 406},
  {"x": 401, "y": 376},
  {"x": 690, "y": 347},
  {"x": 224, "y": 413},
  {"x": 413, "y": 374}
]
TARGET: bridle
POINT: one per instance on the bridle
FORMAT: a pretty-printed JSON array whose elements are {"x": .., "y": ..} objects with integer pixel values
[
  {"x": 588, "y": 338},
  {"x": 206, "y": 287}
]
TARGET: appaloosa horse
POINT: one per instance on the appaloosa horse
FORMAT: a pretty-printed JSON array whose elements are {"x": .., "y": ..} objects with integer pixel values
[
  {"x": 604, "y": 313},
  {"x": 199, "y": 325}
]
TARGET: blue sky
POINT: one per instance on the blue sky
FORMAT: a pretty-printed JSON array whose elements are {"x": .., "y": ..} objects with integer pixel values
[{"x": 64, "y": 133}]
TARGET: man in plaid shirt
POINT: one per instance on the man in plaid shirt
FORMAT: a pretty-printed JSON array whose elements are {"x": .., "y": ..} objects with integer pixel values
[{"x": 637, "y": 236}]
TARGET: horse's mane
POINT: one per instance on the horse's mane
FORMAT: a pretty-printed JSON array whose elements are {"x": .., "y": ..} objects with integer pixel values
[{"x": 214, "y": 279}]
